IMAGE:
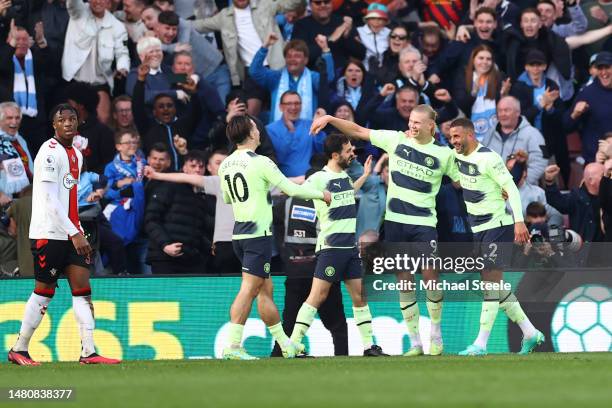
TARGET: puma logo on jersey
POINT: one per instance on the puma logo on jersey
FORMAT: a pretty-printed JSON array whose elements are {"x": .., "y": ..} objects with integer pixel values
[{"x": 337, "y": 185}]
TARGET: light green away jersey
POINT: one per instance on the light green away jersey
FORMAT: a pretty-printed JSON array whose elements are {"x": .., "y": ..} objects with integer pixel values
[
  {"x": 483, "y": 175},
  {"x": 338, "y": 221},
  {"x": 246, "y": 179},
  {"x": 415, "y": 175}
]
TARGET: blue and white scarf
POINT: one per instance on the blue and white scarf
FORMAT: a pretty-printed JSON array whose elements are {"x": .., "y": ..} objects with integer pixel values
[
  {"x": 484, "y": 114},
  {"x": 538, "y": 92},
  {"x": 8, "y": 152},
  {"x": 128, "y": 169},
  {"x": 351, "y": 95},
  {"x": 304, "y": 89},
  {"x": 24, "y": 87}
]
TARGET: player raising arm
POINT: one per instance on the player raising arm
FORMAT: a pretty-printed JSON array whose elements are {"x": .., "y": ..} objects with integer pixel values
[
  {"x": 337, "y": 256},
  {"x": 58, "y": 244},
  {"x": 417, "y": 164},
  {"x": 483, "y": 177},
  {"x": 246, "y": 179}
]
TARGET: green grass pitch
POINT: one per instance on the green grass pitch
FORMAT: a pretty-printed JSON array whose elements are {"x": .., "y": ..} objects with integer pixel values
[{"x": 538, "y": 380}]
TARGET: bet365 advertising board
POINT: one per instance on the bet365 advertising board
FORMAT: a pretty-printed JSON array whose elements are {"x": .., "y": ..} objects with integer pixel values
[{"x": 186, "y": 318}]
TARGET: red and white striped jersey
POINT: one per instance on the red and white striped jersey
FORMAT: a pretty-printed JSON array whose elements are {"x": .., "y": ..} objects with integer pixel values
[{"x": 61, "y": 165}]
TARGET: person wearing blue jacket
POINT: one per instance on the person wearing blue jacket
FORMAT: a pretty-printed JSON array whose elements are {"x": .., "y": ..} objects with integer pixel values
[
  {"x": 294, "y": 77},
  {"x": 126, "y": 168}
]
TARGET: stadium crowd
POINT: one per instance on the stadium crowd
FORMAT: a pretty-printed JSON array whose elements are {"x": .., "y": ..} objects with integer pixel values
[{"x": 155, "y": 84}]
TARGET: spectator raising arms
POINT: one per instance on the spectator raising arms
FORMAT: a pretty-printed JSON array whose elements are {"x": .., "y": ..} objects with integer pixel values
[
  {"x": 591, "y": 109},
  {"x": 174, "y": 132},
  {"x": 244, "y": 28},
  {"x": 94, "y": 40},
  {"x": 23, "y": 80},
  {"x": 340, "y": 32},
  {"x": 295, "y": 77}
]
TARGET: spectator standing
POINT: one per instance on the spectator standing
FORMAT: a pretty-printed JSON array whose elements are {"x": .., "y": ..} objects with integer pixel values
[
  {"x": 591, "y": 110},
  {"x": 208, "y": 61},
  {"x": 130, "y": 16},
  {"x": 581, "y": 204},
  {"x": 412, "y": 68},
  {"x": 94, "y": 40},
  {"x": 457, "y": 53},
  {"x": 340, "y": 32},
  {"x": 123, "y": 118},
  {"x": 236, "y": 105},
  {"x": 548, "y": 15},
  {"x": 97, "y": 146},
  {"x": 212, "y": 108},
  {"x": 394, "y": 117},
  {"x": 174, "y": 132},
  {"x": 388, "y": 70},
  {"x": 244, "y": 27},
  {"x": 374, "y": 34},
  {"x": 290, "y": 136},
  {"x": 177, "y": 220},
  {"x": 478, "y": 88},
  {"x": 514, "y": 133},
  {"x": 355, "y": 87},
  {"x": 295, "y": 77},
  {"x": 541, "y": 105},
  {"x": 126, "y": 168},
  {"x": 157, "y": 81},
  {"x": 224, "y": 259},
  {"x": 15, "y": 160},
  {"x": 22, "y": 79},
  {"x": 529, "y": 192}
]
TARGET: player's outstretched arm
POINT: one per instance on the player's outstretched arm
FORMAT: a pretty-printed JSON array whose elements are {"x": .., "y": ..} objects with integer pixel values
[
  {"x": 274, "y": 176},
  {"x": 350, "y": 129},
  {"x": 193, "y": 179}
]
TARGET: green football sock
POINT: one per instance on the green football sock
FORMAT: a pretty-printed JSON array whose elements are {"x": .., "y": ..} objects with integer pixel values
[
  {"x": 511, "y": 306},
  {"x": 279, "y": 335},
  {"x": 363, "y": 320},
  {"x": 234, "y": 336},
  {"x": 434, "y": 307},
  {"x": 488, "y": 313},
  {"x": 410, "y": 312},
  {"x": 302, "y": 322}
]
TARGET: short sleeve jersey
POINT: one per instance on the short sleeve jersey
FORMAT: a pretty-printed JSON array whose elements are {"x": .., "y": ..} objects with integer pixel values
[
  {"x": 246, "y": 179},
  {"x": 415, "y": 175},
  {"x": 62, "y": 166},
  {"x": 338, "y": 221},
  {"x": 482, "y": 173}
]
